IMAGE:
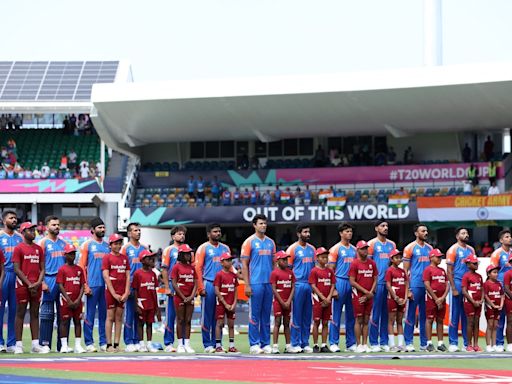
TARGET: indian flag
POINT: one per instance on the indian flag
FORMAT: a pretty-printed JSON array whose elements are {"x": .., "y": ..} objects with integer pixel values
[
  {"x": 398, "y": 201},
  {"x": 336, "y": 203},
  {"x": 285, "y": 197},
  {"x": 325, "y": 194}
]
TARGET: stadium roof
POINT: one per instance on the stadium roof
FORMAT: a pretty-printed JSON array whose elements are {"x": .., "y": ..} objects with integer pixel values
[
  {"x": 54, "y": 86},
  {"x": 400, "y": 102}
]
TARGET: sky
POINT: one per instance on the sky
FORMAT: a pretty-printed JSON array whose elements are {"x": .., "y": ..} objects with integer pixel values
[{"x": 195, "y": 39}]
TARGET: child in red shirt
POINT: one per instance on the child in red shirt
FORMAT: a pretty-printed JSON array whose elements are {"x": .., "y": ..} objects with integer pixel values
[
  {"x": 225, "y": 284},
  {"x": 322, "y": 282},
  {"x": 282, "y": 280},
  {"x": 472, "y": 289},
  {"x": 397, "y": 284},
  {"x": 184, "y": 282},
  {"x": 494, "y": 300}
]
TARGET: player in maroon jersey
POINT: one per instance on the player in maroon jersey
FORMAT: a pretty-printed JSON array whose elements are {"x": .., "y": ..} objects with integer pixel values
[
  {"x": 116, "y": 273},
  {"x": 507, "y": 286},
  {"x": 363, "y": 279},
  {"x": 71, "y": 281},
  {"x": 437, "y": 288},
  {"x": 397, "y": 284},
  {"x": 323, "y": 283},
  {"x": 28, "y": 261},
  {"x": 472, "y": 290},
  {"x": 184, "y": 282},
  {"x": 282, "y": 280},
  {"x": 225, "y": 284},
  {"x": 494, "y": 301},
  {"x": 144, "y": 284}
]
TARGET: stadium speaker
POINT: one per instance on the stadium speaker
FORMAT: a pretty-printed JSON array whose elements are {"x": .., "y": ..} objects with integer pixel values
[{"x": 96, "y": 201}]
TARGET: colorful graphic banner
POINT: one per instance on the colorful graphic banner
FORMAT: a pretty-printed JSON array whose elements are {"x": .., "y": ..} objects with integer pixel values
[
  {"x": 75, "y": 237},
  {"x": 49, "y": 186},
  {"x": 465, "y": 208},
  {"x": 167, "y": 217},
  {"x": 334, "y": 175}
]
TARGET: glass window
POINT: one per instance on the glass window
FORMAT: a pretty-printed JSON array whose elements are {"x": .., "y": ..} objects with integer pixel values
[
  {"x": 242, "y": 147},
  {"x": 197, "y": 150},
  {"x": 227, "y": 149},
  {"x": 212, "y": 149},
  {"x": 290, "y": 147},
  {"x": 306, "y": 147},
  {"x": 260, "y": 149},
  {"x": 275, "y": 148}
]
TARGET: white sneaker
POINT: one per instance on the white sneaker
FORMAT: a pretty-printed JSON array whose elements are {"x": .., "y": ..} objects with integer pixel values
[
  {"x": 2, "y": 348},
  {"x": 39, "y": 349},
  {"x": 90, "y": 348},
  {"x": 66, "y": 350},
  {"x": 255, "y": 350},
  {"x": 11, "y": 349},
  {"x": 151, "y": 348},
  {"x": 79, "y": 349},
  {"x": 453, "y": 348},
  {"x": 142, "y": 348},
  {"x": 409, "y": 348},
  {"x": 334, "y": 348},
  {"x": 103, "y": 348},
  {"x": 17, "y": 350},
  {"x": 181, "y": 349},
  {"x": 294, "y": 349},
  {"x": 499, "y": 348},
  {"x": 130, "y": 348},
  {"x": 361, "y": 348},
  {"x": 509, "y": 348},
  {"x": 209, "y": 349},
  {"x": 352, "y": 348},
  {"x": 385, "y": 348},
  {"x": 375, "y": 349},
  {"x": 275, "y": 350},
  {"x": 189, "y": 349},
  {"x": 490, "y": 348},
  {"x": 267, "y": 349},
  {"x": 170, "y": 348},
  {"x": 307, "y": 349}
]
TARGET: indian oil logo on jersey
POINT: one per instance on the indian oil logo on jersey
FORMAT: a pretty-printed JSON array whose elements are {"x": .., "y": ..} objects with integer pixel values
[
  {"x": 50, "y": 247},
  {"x": 4, "y": 241}
]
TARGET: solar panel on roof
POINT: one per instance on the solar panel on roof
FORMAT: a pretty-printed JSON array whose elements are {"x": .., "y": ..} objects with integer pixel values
[{"x": 53, "y": 80}]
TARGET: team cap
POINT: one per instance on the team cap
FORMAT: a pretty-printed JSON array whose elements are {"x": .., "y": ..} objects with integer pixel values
[
  {"x": 471, "y": 259},
  {"x": 226, "y": 256},
  {"x": 69, "y": 248},
  {"x": 395, "y": 252},
  {"x": 321, "y": 251},
  {"x": 146, "y": 253},
  {"x": 281, "y": 255},
  {"x": 27, "y": 225},
  {"x": 362, "y": 244},
  {"x": 491, "y": 267},
  {"x": 115, "y": 237},
  {"x": 183, "y": 248},
  {"x": 436, "y": 252}
]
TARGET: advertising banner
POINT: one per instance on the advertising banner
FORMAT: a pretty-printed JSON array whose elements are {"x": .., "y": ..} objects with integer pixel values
[{"x": 49, "y": 186}]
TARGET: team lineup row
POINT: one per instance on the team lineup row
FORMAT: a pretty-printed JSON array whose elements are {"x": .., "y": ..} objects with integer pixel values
[{"x": 304, "y": 286}]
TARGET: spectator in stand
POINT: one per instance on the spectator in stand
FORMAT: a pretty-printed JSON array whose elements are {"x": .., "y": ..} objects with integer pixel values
[
  {"x": 226, "y": 197},
  {"x": 3, "y": 122},
  {"x": 215, "y": 188},
  {"x": 344, "y": 161},
  {"x": 3, "y": 173},
  {"x": 98, "y": 169},
  {"x": 10, "y": 121},
  {"x": 12, "y": 159},
  {"x": 72, "y": 157},
  {"x": 191, "y": 187},
  {"x": 247, "y": 196},
  {"x": 286, "y": 196},
  {"x": 45, "y": 171},
  {"x": 493, "y": 189},
  {"x": 84, "y": 169},
  {"x": 472, "y": 175},
  {"x": 319, "y": 159},
  {"x": 401, "y": 192},
  {"x": 467, "y": 190},
  {"x": 488, "y": 149},
  {"x": 53, "y": 174},
  {"x": 391, "y": 156},
  {"x": 72, "y": 124},
  {"x": 255, "y": 163},
  {"x": 277, "y": 195},
  {"x": 491, "y": 171},
  {"x": 237, "y": 197},
  {"x": 466, "y": 153},
  {"x": 27, "y": 174},
  {"x": 267, "y": 198},
  {"x": 36, "y": 174},
  {"x": 254, "y": 196},
  {"x": 243, "y": 161},
  {"x": 297, "y": 196},
  {"x": 63, "y": 161},
  {"x": 18, "y": 121},
  {"x": 66, "y": 125},
  {"x": 487, "y": 250},
  {"x": 10, "y": 172},
  {"x": 333, "y": 155},
  {"x": 4, "y": 154},
  {"x": 200, "y": 188},
  {"x": 67, "y": 174},
  {"x": 307, "y": 196}
]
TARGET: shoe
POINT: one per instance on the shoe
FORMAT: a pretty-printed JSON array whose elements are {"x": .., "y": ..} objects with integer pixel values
[
  {"x": 130, "y": 348},
  {"x": 65, "y": 350},
  {"x": 110, "y": 349},
  {"x": 288, "y": 349},
  {"x": 499, "y": 348},
  {"x": 46, "y": 349},
  {"x": 275, "y": 350},
  {"x": 361, "y": 348},
  {"x": 394, "y": 349},
  {"x": 255, "y": 350},
  {"x": 3, "y": 349},
  {"x": 143, "y": 348},
  {"x": 220, "y": 350},
  {"x": 509, "y": 348},
  {"x": 442, "y": 348},
  {"x": 294, "y": 349},
  {"x": 233, "y": 350},
  {"x": 325, "y": 349},
  {"x": 189, "y": 349},
  {"x": 10, "y": 349},
  {"x": 375, "y": 349},
  {"x": 151, "y": 348},
  {"x": 38, "y": 349},
  {"x": 103, "y": 348},
  {"x": 17, "y": 350},
  {"x": 181, "y": 349},
  {"x": 478, "y": 349},
  {"x": 267, "y": 350},
  {"x": 423, "y": 347},
  {"x": 490, "y": 348},
  {"x": 470, "y": 348},
  {"x": 385, "y": 348},
  {"x": 352, "y": 348},
  {"x": 453, "y": 348},
  {"x": 334, "y": 348},
  {"x": 209, "y": 349},
  {"x": 409, "y": 348},
  {"x": 170, "y": 348},
  {"x": 316, "y": 349},
  {"x": 78, "y": 349},
  {"x": 430, "y": 348},
  {"x": 307, "y": 349},
  {"x": 401, "y": 348},
  {"x": 90, "y": 348}
]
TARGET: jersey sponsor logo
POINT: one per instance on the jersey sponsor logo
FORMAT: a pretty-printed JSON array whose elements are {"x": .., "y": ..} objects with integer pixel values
[
  {"x": 366, "y": 272},
  {"x": 285, "y": 283},
  {"x": 98, "y": 255},
  {"x": 325, "y": 281},
  {"x": 32, "y": 259},
  {"x": 398, "y": 280},
  {"x": 75, "y": 279},
  {"x": 230, "y": 287}
]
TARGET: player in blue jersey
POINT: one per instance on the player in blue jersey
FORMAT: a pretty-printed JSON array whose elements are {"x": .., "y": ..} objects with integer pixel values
[
  {"x": 341, "y": 256},
  {"x": 91, "y": 256},
  {"x": 257, "y": 263},
  {"x": 169, "y": 258},
  {"x": 379, "y": 249},
  {"x": 500, "y": 258},
  {"x": 9, "y": 238},
  {"x": 207, "y": 265},
  {"x": 132, "y": 249},
  {"x": 302, "y": 261},
  {"x": 54, "y": 258},
  {"x": 455, "y": 270},
  {"x": 416, "y": 259}
]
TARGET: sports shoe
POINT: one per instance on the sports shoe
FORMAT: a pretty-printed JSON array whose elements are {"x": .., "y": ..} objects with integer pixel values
[
  {"x": 142, "y": 348},
  {"x": 334, "y": 348},
  {"x": 453, "y": 348},
  {"x": 275, "y": 350},
  {"x": 267, "y": 350},
  {"x": 130, "y": 348},
  {"x": 18, "y": 350},
  {"x": 110, "y": 349},
  {"x": 10, "y": 349},
  {"x": 478, "y": 349},
  {"x": 441, "y": 348},
  {"x": 170, "y": 348},
  {"x": 490, "y": 348},
  {"x": 470, "y": 348},
  {"x": 255, "y": 350},
  {"x": 325, "y": 349},
  {"x": 375, "y": 349},
  {"x": 385, "y": 348},
  {"x": 307, "y": 349},
  {"x": 38, "y": 349},
  {"x": 46, "y": 349},
  {"x": 430, "y": 348},
  {"x": 499, "y": 348},
  {"x": 509, "y": 348},
  {"x": 189, "y": 349},
  {"x": 352, "y": 348},
  {"x": 181, "y": 349},
  {"x": 423, "y": 347},
  {"x": 394, "y": 349},
  {"x": 401, "y": 348},
  {"x": 151, "y": 348},
  {"x": 361, "y": 348},
  {"x": 233, "y": 350},
  {"x": 65, "y": 350},
  {"x": 294, "y": 349},
  {"x": 78, "y": 349},
  {"x": 90, "y": 348},
  {"x": 288, "y": 349},
  {"x": 220, "y": 350},
  {"x": 409, "y": 348},
  {"x": 103, "y": 348},
  {"x": 316, "y": 349},
  {"x": 209, "y": 349},
  {"x": 3, "y": 349}
]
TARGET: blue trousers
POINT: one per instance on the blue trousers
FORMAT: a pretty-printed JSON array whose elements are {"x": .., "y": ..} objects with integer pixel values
[
  {"x": 500, "y": 338},
  {"x": 208, "y": 320},
  {"x": 50, "y": 298},
  {"x": 379, "y": 320},
  {"x": 130, "y": 332},
  {"x": 96, "y": 300},
  {"x": 302, "y": 312},
  {"x": 8, "y": 296},
  {"x": 170, "y": 318},
  {"x": 457, "y": 314},
  {"x": 419, "y": 300},
  {"x": 260, "y": 307},
  {"x": 344, "y": 300}
]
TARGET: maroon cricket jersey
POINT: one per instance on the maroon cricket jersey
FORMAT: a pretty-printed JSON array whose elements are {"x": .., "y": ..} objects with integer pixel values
[
  {"x": 31, "y": 260},
  {"x": 116, "y": 267},
  {"x": 72, "y": 279},
  {"x": 494, "y": 291},
  {"x": 397, "y": 277},
  {"x": 145, "y": 283},
  {"x": 283, "y": 280},
  {"x": 323, "y": 279},
  {"x": 364, "y": 272},
  {"x": 227, "y": 283},
  {"x": 185, "y": 275},
  {"x": 474, "y": 285}
]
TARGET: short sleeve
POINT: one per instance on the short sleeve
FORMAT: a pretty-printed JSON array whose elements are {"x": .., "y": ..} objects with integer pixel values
[
  {"x": 389, "y": 275},
  {"x": 312, "y": 277},
  {"x": 273, "y": 278},
  {"x": 60, "y": 276},
  {"x": 352, "y": 272},
  {"x": 174, "y": 272},
  {"x": 427, "y": 274},
  {"x": 135, "y": 281},
  {"x": 465, "y": 281},
  {"x": 216, "y": 282},
  {"x": 246, "y": 249},
  {"x": 105, "y": 263}
]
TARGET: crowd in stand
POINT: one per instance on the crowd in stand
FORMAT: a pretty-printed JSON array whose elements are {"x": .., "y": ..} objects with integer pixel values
[
  {"x": 8, "y": 121},
  {"x": 81, "y": 125}
]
